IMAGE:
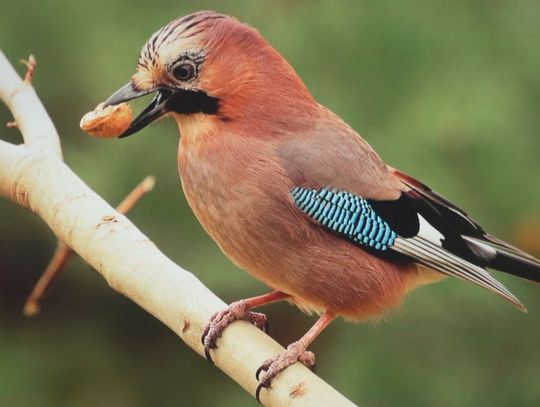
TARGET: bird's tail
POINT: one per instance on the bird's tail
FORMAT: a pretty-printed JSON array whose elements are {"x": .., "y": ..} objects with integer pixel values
[{"x": 499, "y": 255}]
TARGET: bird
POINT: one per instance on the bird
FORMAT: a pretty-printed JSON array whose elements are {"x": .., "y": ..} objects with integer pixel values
[{"x": 295, "y": 196}]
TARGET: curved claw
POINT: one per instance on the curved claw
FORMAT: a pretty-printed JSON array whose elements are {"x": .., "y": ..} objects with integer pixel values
[
  {"x": 205, "y": 332},
  {"x": 208, "y": 355},
  {"x": 258, "y": 391},
  {"x": 208, "y": 343},
  {"x": 259, "y": 371}
]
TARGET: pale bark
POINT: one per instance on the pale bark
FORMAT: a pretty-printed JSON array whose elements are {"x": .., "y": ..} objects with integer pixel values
[{"x": 33, "y": 175}]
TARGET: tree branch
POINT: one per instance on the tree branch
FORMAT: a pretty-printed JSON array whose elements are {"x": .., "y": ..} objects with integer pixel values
[{"x": 34, "y": 176}]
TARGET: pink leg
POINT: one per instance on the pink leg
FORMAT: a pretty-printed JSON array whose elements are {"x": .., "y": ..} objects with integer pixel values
[
  {"x": 235, "y": 311},
  {"x": 295, "y": 352}
]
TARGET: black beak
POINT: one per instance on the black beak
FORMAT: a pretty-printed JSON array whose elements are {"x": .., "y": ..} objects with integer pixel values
[{"x": 153, "y": 111}]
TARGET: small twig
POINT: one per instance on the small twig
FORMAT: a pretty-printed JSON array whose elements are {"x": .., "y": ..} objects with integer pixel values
[
  {"x": 11, "y": 125},
  {"x": 64, "y": 253},
  {"x": 31, "y": 67},
  {"x": 60, "y": 259},
  {"x": 145, "y": 186},
  {"x": 34, "y": 123}
]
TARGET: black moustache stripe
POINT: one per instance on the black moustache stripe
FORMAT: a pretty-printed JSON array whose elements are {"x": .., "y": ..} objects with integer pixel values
[{"x": 190, "y": 101}]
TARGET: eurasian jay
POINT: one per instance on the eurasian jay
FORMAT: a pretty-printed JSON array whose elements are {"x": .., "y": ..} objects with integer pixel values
[{"x": 295, "y": 196}]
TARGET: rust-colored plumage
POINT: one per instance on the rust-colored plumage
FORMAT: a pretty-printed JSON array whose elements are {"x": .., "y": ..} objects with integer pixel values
[{"x": 250, "y": 134}]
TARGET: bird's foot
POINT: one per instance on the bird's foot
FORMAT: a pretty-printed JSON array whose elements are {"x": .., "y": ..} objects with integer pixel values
[
  {"x": 222, "y": 319},
  {"x": 295, "y": 352}
]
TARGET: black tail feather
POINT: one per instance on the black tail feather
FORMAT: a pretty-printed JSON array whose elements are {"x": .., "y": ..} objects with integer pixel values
[
  {"x": 517, "y": 266},
  {"x": 506, "y": 258}
]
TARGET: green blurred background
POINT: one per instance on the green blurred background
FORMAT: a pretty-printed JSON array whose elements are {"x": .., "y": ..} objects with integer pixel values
[{"x": 447, "y": 91}]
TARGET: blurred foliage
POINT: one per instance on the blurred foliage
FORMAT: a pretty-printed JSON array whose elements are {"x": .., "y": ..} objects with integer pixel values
[{"x": 447, "y": 91}]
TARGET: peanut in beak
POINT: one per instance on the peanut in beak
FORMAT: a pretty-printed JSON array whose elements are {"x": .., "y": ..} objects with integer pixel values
[{"x": 108, "y": 122}]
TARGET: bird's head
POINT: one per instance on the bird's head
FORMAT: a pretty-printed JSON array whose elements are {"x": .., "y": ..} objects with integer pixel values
[{"x": 212, "y": 67}]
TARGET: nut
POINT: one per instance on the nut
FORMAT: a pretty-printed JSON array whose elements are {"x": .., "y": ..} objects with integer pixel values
[{"x": 107, "y": 122}]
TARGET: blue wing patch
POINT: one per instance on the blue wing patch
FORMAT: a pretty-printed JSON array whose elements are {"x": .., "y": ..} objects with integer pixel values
[{"x": 346, "y": 214}]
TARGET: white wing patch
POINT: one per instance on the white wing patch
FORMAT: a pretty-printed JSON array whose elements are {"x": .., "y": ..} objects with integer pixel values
[{"x": 428, "y": 232}]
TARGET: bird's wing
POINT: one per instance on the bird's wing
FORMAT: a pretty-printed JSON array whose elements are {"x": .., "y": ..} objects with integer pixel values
[
  {"x": 408, "y": 226},
  {"x": 402, "y": 216}
]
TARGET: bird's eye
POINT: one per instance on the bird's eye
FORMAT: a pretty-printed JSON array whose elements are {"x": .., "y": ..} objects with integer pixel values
[{"x": 184, "y": 71}]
